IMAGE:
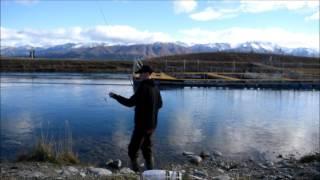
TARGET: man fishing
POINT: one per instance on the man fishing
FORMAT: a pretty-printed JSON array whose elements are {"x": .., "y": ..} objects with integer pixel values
[{"x": 147, "y": 101}]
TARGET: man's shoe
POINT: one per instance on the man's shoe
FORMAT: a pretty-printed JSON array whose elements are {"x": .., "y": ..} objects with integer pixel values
[{"x": 135, "y": 165}]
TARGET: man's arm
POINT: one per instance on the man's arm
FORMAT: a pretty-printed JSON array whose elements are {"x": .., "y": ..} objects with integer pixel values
[
  {"x": 124, "y": 101},
  {"x": 160, "y": 101}
]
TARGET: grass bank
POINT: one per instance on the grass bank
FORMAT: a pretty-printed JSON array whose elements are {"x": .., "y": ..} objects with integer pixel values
[{"x": 54, "y": 65}]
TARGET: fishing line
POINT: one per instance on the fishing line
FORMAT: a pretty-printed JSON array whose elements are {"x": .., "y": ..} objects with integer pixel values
[
  {"x": 106, "y": 96},
  {"x": 101, "y": 12}
]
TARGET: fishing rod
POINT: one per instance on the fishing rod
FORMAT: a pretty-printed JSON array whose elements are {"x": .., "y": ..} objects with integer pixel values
[{"x": 105, "y": 21}]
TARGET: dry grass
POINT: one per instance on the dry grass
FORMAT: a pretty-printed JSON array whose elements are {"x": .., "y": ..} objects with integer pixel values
[
  {"x": 310, "y": 158},
  {"x": 48, "y": 150}
]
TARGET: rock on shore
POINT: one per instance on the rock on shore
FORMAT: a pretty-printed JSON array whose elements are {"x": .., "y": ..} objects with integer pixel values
[
  {"x": 35, "y": 170},
  {"x": 213, "y": 167}
]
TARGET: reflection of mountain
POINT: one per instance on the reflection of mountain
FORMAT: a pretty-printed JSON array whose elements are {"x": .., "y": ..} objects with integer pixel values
[{"x": 137, "y": 51}]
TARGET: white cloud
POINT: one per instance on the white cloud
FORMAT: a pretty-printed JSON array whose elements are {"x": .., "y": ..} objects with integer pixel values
[
  {"x": 264, "y": 5},
  {"x": 27, "y": 2},
  {"x": 210, "y": 14},
  {"x": 184, "y": 6},
  {"x": 117, "y": 34},
  {"x": 249, "y": 6},
  {"x": 239, "y": 35},
  {"x": 126, "y": 35},
  {"x": 206, "y": 15},
  {"x": 123, "y": 35},
  {"x": 315, "y": 16}
]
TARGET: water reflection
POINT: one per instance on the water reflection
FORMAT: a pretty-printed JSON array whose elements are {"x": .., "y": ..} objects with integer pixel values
[
  {"x": 182, "y": 130},
  {"x": 121, "y": 136},
  {"x": 237, "y": 122},
  {"x": 20, "y": 126}
]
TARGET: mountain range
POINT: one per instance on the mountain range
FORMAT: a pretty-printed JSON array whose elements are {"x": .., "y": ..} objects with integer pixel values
[{"x": 102, "y": 51}]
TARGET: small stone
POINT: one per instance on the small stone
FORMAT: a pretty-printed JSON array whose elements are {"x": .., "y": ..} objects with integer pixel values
[
  {"x": 58, "y": 171},
  {"x": 66, "y": 173},
  {"x": 204, "y": 155},
  {"x": 82, "y": 174},
  {"x": 222, "y": 177},
  {"x": 220, "y": 170},
  {"x": 186, "y": 153},
  {"x": 126, "y": 170},
  {"x": 270, "y": 163},
  {"x": 110, "y": 161},
  {"x": 244, "y": 165},
  {"x": 200, "y": 173},
  {"x": 116, "y": 164},
  {"x": 224, "y": 165},
  {"x": 280, "y": 156},
  {"x": 262, "y": 166},
  {"x": 195, "y": 159},
  {"x": 285, "y": 164},
  {"x": 72, "y": 169},
  {"x": 23, "y": 173},
  {"x": 193, "y": 177},
  {"x": 36, "y": 175},
  {"x": 288, "y": 176},
  {"x": 216, "y": 153},
  {"x": 100, "y": 171}
]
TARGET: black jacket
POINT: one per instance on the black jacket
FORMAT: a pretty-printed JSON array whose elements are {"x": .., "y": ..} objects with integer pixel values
[{"x": 147, "y": 101}]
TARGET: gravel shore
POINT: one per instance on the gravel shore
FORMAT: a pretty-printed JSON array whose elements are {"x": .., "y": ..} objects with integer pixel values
[{"x": 203, "y": 166}]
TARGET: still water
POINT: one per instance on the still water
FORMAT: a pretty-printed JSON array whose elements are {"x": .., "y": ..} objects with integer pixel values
[{"x": 239, "y": 123}]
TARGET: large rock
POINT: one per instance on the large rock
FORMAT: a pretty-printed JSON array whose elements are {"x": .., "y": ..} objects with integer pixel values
[{"x": 100, "y": 171}]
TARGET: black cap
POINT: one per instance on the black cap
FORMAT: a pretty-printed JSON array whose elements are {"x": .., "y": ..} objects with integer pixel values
[{"x": 144, "y": 69}]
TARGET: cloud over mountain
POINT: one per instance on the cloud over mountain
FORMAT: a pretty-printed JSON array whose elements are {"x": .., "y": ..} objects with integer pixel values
[
  {"x": 127, "y": 35},
  {"x": 101, "y": 51},
  {"x": 116, "y": 34}
]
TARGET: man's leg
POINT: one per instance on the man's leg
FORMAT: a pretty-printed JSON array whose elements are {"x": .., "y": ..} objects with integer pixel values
[
  {"x": 134, "y": 146},
  {"x": 146, "y": 148}
]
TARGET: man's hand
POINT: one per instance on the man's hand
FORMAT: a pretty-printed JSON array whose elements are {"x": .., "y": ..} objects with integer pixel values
[{"x": 112, "y": 95}]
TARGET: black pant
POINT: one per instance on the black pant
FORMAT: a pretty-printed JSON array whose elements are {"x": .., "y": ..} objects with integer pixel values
[{"x": 140, "y": 139}]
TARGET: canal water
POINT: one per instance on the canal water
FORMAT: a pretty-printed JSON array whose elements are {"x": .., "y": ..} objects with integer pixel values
[{"x": 240, "y": 123}]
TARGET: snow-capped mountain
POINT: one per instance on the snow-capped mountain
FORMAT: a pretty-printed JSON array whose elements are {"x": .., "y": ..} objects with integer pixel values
[{"x": 125, "y": 52}]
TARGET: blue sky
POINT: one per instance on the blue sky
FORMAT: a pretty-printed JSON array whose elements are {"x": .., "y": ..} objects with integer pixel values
[{"x": 50, "y": 22}]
